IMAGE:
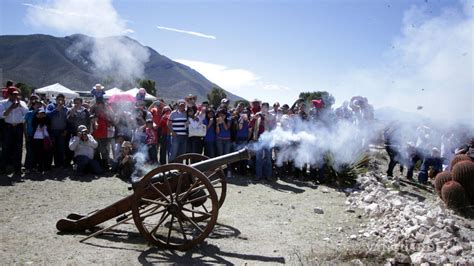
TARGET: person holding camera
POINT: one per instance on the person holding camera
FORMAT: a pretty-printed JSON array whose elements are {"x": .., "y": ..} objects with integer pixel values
[
  {"x": 13, "y": 110},
  {"x": 83, "y": 145},
  {"x": 57, "y": 114}
]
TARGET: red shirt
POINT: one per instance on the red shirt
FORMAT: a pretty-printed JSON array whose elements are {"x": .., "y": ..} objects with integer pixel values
[
  {"x": 164, "y": 125},
  {"x": 101, "y": 131},
  {"x": 156, "y": 115}
]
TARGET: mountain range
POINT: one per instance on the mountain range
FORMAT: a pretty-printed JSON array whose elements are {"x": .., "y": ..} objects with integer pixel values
[{"x": 40, "y": 60}]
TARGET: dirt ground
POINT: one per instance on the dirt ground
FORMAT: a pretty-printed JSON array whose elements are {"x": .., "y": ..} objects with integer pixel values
[{"x": 269, "y": 222}]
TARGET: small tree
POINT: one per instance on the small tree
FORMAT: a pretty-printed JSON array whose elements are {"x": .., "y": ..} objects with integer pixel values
[
  {"x": 215, "y": 96},
  {"x": 327, "y": 98},
  {"x": 149, "y": 85},
  {"x": 25, "y": 89}
]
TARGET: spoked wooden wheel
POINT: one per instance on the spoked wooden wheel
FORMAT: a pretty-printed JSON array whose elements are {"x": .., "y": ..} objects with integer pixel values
[
  {"x": 215, "y": 176},
  {"x": 173, "y": 194}
]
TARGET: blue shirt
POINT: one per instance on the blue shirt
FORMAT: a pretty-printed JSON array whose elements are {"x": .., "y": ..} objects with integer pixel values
[
  {"x": 211, "y": 132},
  {"x": 58, "y": 118},
  {"x": 29, "y": 122},
  {"x": 243, "y": 134}
]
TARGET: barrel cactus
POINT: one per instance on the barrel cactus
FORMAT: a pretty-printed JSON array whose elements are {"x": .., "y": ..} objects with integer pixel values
[
  {"x": 463, "y": 173},
  {"x": 459, "y": 158},
  {"x": 440, "y": 180},
  {"x": 454, "y": 195}
]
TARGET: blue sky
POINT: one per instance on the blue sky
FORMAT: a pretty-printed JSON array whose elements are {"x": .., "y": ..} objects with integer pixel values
[{"x": 272, "y": 50}]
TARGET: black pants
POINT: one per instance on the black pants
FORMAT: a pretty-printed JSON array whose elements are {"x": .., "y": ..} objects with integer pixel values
[
  {"x": 394, "y": 159},
  {"x": 12, "y": 147},
  {"x": 163, "y": 142},
  {"x": 41, "y": 157}
]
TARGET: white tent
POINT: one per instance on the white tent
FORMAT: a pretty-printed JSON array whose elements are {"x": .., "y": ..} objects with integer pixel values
[
  {"x": 52, "y": 91},
  {"x": 112, "y": 91},
  {"x": 134, "y": 92}
]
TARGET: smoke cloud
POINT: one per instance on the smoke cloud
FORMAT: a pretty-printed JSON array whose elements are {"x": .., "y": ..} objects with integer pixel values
[
  {"x": 428, "y": 65},
  {"x": 119, "y": 59}
]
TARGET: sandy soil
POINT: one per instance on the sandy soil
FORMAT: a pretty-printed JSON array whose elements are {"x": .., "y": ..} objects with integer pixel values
[{"x": 266, "y": 222}]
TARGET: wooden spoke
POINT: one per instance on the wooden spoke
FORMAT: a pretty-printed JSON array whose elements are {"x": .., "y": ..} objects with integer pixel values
[{"x": 165, "y": 199}]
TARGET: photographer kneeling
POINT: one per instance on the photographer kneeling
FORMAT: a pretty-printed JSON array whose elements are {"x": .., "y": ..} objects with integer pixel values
[{"x": 83, "y": 145}]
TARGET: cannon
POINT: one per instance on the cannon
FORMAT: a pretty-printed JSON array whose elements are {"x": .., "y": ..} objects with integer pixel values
[{"x": 173, "y": 206}]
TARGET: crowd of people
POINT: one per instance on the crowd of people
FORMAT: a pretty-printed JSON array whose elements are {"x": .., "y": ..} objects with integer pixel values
[{"x": 113, "y": 136}]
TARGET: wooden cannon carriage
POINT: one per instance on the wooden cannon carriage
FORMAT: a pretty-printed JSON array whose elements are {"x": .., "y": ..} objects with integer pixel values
[{"x": 173, "y": 206}]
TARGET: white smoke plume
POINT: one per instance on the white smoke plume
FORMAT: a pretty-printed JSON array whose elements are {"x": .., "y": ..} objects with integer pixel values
[
  {"x": 429, "y": 65},
  {"x": 117, "y": 58}
]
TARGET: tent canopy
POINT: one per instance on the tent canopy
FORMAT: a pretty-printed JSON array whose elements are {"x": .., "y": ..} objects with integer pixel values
[
  {"x": 52, "y": 91},
  {"x": 134, "y": 92},
  {"x": 112, "y": 91}
]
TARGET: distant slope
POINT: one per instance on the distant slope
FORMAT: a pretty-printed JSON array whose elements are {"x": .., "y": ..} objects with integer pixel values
[{"x": 41, "y": 60}]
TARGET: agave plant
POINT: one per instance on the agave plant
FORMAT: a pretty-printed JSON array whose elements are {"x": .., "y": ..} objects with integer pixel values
[{"x": 346, "y": 173}]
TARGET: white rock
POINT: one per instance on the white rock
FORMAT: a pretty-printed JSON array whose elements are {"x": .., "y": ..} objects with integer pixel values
[
  {"x": 325, "y": 190},
  {"x": 455, "y": 250},
  {"x": 369, "y": 198},
  {"x": 352, "y": 237},
  {"x": 417, "y": 258},
  {"x": 356, "y": 262}
]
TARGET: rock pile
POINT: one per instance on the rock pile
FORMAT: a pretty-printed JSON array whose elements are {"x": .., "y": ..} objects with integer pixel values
[{"x": 413, "y": 231}]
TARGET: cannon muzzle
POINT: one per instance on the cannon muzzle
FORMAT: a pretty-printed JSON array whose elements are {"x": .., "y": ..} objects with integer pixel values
[{"x": 218, "y": 162}]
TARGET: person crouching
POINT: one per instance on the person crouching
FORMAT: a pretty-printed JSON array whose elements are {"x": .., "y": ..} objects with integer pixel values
[
  {"x": 83, "y": 145},
  {"x": 125, "y": 165}
]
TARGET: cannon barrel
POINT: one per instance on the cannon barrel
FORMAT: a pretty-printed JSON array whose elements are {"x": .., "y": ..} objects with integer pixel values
[
  {"x": 217, "y": 162},
  {"x": 75, "y": 222}
]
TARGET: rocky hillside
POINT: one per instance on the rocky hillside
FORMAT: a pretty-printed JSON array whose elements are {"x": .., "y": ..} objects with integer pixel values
[{"x": 41, "y": 60}]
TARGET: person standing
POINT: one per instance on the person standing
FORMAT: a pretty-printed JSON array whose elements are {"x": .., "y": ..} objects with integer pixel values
[
  {"x": 57, "y": 114},
  {"x": 177, "y": 125},
  {"x": 164, "y": 136},
  {"x": 13, "y": 110},
  {"x": 34, "y": 106},
  {"x": 41, "y": 150}
]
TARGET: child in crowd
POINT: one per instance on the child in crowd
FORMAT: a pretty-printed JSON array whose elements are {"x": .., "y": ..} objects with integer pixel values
[
  {"x": 98, "y": 92},
  {"x": 140, "y": 97},
  {"x": 151, "y": 140}
]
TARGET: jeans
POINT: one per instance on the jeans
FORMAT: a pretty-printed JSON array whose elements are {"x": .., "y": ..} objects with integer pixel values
[
  {"x": 178, "y": 146},
  {"x": 210, "y": 149},
  {"x": 12, "y": 146},
  {"x": 103, "y": 151},
  {"x": 223, "y": 146},
  {"x": 435, "y": 163},
  {"x": 263, "y": 163},
  {"x": 84, "y": 163},
  {"x": 59, "y": 146}
]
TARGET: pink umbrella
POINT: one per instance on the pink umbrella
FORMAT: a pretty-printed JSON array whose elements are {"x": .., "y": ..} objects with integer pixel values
[{"x": 122, "y": 97}]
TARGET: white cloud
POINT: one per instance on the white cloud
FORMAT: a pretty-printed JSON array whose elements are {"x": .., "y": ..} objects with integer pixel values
[
  {"x": 194, "y": 33},
  {"x": 242, "y": 82},
  {"x": 275, "y": 87},
  {"x": 94, "y": 17},
  {"x": 228, "y": 78}
]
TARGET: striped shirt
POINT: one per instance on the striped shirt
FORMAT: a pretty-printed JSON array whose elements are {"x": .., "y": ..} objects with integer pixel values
[{"x": 178, "y": 122}]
